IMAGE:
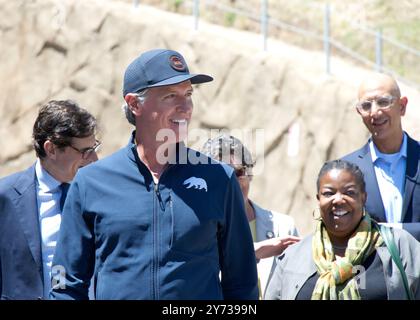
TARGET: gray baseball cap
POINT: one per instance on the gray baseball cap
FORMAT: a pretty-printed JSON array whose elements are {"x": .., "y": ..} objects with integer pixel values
[{"x": 159, "y": 67}]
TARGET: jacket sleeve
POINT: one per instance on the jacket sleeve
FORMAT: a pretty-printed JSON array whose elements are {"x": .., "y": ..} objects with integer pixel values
[
  {"x": 273, "y": 290},
  {"x": 409, "y": 249},
  {"x": 74, "y": 257},
  {"x": 236, "y": 249}
]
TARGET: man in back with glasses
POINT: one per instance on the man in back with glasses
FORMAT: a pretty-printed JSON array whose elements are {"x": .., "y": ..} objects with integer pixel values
[
  {"x": 31, "y": 201},
  {"x": 390, "y": 160}
]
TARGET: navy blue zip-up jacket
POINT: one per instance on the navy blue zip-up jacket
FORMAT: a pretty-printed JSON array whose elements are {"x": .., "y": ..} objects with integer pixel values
[{"x": 142, "y": 240}]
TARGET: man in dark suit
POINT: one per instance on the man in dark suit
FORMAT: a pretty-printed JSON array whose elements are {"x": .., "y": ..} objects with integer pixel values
[
  {"x": 31, "y": 200},
  {"x": 390, "y": 160}
]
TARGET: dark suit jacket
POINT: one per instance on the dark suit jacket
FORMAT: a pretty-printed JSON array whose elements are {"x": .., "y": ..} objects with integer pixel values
[
  {"x": 20, "y": 239},
  {"x": 411, "y": 201}
]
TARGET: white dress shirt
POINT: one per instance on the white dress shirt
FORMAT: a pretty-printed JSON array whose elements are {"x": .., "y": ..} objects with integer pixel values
[
  {"x": 48, "y": 197},
  {"x": 390, "y": 174}
]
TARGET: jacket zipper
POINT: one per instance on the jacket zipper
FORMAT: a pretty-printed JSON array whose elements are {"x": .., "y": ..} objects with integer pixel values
[
  {"x": 171, "y": 209},
  {"x": 155, "y": 263},
  {"x": 155, "y": 243}
]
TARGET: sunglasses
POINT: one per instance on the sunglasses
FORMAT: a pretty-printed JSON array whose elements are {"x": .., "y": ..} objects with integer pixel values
[{"x": 243, "y": 171}]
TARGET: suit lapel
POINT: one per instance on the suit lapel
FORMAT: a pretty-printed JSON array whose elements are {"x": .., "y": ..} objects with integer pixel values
[
  {"x": 411, "y": 173},
  {"x": 27, "y": 212},
  {"x": 374, "y": 204},
  {"x": 264, "y": 223}
]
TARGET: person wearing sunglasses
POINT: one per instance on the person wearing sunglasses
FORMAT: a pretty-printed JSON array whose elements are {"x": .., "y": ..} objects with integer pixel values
[
  {"x": 390, "y": 160},
  {"x": 31, "y": 201},
  {"x": 272, "y": 232}
]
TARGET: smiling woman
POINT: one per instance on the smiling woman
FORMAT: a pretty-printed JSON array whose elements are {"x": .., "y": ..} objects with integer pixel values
[
  {"x": 341, "y": 195},
  {"x": 325, "y": 265}
]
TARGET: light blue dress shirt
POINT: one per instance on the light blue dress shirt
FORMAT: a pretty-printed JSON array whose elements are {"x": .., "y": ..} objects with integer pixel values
[
  {"x": 48, "y": 194},
  {"x": 390, "y": 174}
]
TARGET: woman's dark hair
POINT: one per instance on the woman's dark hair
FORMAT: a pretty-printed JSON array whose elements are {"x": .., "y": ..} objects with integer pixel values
[
  {"x": 224, "y": 146},
  {"x": 342, "y": 165},
  {"x": 59, "y": 121}
]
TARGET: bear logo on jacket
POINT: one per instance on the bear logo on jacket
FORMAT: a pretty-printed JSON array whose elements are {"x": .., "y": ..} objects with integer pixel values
[{"x": 197, "y": 183}]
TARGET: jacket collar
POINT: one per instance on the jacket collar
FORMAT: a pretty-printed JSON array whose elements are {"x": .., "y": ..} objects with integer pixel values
[
  {"x": 46, "y": 182},
  {"x": 412, "y": 178},
  {"x": 264, "y": 220},
  {"x": 412, "y": 174},
  {"x": 374, "y": 203},
  {"x": 182, "y": 156}
]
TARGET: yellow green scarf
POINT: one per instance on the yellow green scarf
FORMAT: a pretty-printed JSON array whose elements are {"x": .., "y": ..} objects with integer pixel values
[{"x": 336, "y": 280}]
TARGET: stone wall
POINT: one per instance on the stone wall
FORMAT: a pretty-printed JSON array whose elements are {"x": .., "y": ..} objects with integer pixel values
[{"x": 80, "y": 49}]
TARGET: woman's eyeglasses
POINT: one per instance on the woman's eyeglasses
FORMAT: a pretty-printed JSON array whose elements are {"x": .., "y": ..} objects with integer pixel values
[{"x": 86, "y": 152}]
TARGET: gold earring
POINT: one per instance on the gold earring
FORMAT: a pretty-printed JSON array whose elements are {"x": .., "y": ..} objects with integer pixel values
[{"x": 316, "y": 213}]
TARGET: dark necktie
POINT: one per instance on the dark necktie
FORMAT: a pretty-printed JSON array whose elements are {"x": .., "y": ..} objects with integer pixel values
[{"x": 64, "y": 188}]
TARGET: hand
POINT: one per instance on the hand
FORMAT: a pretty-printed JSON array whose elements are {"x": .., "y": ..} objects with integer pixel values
[{"x": 274, "y": 246}]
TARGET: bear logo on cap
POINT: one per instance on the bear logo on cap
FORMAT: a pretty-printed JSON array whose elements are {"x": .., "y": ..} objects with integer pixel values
[{"x": 177, "y": 63}]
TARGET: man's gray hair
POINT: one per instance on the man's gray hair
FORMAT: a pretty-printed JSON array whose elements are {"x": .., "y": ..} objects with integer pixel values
[{"x": 141, "y": 96}]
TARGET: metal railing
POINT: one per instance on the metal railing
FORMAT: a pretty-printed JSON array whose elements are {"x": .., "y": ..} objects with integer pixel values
[{"x": 324, "y": 37}]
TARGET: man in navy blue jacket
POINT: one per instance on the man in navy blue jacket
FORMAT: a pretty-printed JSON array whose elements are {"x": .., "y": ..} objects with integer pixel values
[
  {"x": 150, "y": 221},
  {"x": 390, "y": 160}
]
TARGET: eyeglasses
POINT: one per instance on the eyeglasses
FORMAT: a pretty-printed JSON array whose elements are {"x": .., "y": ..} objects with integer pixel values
[
  {"x": 86, "y": 152},
  {"x": 243, "y": 171},
  {"x": 383, "y": 103}
]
